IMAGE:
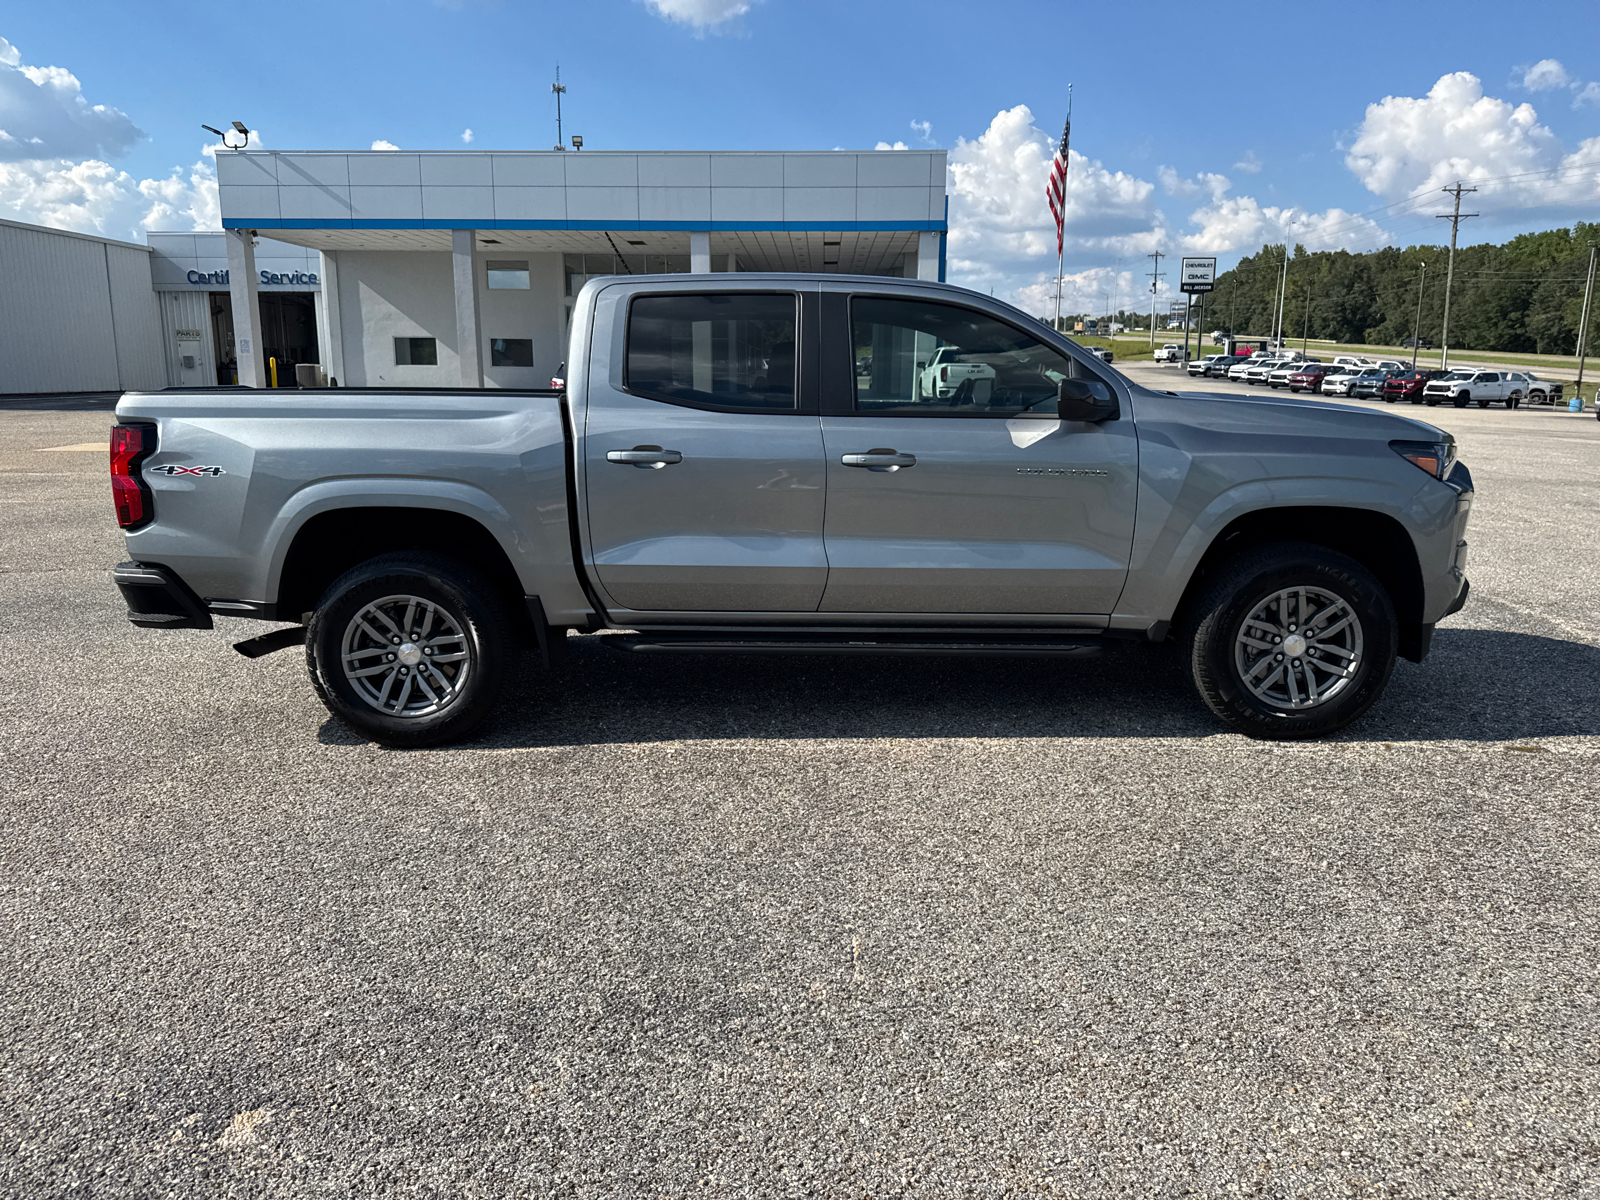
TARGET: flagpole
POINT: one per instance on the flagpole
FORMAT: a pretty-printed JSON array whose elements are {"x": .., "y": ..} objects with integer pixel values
[{"x": 1061, "y": 244}]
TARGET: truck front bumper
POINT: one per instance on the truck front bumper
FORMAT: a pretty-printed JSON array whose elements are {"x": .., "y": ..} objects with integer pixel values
[{"x": 158, "y": 599}]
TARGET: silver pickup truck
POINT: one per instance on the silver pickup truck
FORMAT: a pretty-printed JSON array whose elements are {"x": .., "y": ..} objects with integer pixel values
[{"x": 750, "y": 463}]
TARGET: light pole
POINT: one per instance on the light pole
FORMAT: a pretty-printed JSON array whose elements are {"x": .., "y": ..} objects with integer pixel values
[{"x": 1416, "y": 330}]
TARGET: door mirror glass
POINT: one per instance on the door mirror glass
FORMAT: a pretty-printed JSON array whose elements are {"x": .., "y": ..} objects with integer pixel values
[{"x": 1085, "y": 400}]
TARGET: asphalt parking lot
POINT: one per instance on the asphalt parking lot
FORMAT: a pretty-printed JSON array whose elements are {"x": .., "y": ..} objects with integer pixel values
[{"x": 816, "y": 928}]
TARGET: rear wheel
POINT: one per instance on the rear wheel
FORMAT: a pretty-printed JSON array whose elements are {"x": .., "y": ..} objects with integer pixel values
[
  {"x": 1291, "y": 640},
  {"x": 410, "y": 649}
]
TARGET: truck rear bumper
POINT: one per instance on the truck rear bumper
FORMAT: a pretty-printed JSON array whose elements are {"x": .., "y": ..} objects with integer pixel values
[{"x": 158, "y": 599}]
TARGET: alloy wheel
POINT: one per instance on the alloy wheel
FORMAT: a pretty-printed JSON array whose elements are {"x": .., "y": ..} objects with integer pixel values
[
  {"x": 406, "y": 656},
  {"x": 1298, "y": 648}
]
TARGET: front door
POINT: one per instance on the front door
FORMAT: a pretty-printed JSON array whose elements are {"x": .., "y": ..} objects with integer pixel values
[
  {"x": 704, "y": 474},
  {"x": 953, "y": 487}
]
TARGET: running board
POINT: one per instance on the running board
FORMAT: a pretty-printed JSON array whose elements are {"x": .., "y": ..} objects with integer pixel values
[{"x": 995, "y": 645}]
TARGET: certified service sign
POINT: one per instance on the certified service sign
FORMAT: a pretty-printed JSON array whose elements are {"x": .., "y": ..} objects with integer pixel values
[{"x": 1197, "y": 275}]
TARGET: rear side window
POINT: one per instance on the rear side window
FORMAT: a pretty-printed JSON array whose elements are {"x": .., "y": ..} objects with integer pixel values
[{"x": 726, "y": 351}]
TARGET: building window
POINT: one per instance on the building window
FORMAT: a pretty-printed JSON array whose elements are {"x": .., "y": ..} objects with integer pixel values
[
  {"x": 509, "y": 274},
  {"x": 511, "y": 352},
  {"x": 416, "y": 352}
]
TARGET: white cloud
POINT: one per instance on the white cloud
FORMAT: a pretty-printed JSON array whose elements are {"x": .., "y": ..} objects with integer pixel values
[
  {"x": 1002, "y": 236},
  {"x": 1588, "y": 94},
  {"x": 1231, "y": 223},
  {"x": 94, "y": 197},
  {"x": 1410, "y": 144},
  {"x": 1545, "y": 75},
  {"x": 887, "y": 146},
  {"x": 1249, "y": 164},
  {"x": 1206, "y": 182},
  {"x": 924, "y": 131},
  {"x": 380, "y": 144},
  {"x": 700, "y": 15},
  {"x": 43, "y": 115},
  {"x": 466, "y": 137}
]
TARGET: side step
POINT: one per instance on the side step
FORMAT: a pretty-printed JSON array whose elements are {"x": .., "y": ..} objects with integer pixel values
[{"x": 988, "y": 644}]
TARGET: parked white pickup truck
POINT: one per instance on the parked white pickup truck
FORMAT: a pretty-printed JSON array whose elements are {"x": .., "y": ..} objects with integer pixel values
[
  {"x": 1171, "y": 352},
  {"x": 1461, "y": 387},
  {"x": 949, "y": 375}
]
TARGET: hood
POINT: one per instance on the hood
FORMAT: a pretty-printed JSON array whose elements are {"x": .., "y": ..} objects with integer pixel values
[{"x": 1295, "y": 415}]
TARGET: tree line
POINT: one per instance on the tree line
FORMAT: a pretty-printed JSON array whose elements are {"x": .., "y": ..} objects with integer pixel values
[{"x": 1524, "y": 296}]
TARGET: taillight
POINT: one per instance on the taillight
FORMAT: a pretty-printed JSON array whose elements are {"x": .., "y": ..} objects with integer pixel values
[
  {"x": 944, "y": 374},
  {"x": 130, "y": 446}
]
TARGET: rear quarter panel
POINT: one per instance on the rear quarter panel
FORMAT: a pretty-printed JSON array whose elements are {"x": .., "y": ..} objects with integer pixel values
[{"x": 497, "y": 457}]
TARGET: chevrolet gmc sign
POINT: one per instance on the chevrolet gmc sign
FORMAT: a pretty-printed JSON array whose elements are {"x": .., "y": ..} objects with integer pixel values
[{"x": 1197, "y": 275}]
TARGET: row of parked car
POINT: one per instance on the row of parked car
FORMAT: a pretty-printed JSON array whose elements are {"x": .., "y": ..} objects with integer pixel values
[{"x": 1348, "y": 375}]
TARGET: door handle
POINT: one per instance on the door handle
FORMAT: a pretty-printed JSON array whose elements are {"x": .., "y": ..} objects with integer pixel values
[
  {"x": 650, "y": 458},
  {"x": 880, "y": 460}
]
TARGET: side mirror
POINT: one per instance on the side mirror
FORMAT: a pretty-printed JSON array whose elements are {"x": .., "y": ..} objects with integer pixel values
[{"x": 1086, "y": 400}]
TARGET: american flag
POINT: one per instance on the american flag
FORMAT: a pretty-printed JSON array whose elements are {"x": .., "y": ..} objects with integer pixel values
[{"x": 1056, "y": 189}]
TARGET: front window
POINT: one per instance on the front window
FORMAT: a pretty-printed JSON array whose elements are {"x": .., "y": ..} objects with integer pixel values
[
  {"x": 923, "y": 358},
  {"x": 730, "y": 351}
]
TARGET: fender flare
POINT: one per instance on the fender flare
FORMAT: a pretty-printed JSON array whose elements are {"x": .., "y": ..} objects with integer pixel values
[{"x": 391, "y": 492}]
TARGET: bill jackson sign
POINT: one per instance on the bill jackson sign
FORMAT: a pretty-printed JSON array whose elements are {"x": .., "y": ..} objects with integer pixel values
[
  {"x": 1197, "y": 275},
  {"x": 268, "y": 278}
]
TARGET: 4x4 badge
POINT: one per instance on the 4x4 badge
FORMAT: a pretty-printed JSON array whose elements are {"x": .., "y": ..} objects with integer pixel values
[{"x": 174, "y": 469}]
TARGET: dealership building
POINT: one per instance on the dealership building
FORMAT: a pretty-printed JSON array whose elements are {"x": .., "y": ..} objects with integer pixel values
[{"x": 437, "y": 269}]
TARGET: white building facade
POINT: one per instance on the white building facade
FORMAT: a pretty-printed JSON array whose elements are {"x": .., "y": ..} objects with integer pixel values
[
  {"x": 458, "y": 269},
  {"x": 436, "y": 269}
]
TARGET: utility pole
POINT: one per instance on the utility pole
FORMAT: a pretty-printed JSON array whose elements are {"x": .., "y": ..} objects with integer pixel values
[
  {"x": 1583, "y": 329},
  {"x": 559, "y": 89},
  {"x": 1455, "y": 220},
  {"x": 1283, "y": 291},
  {"x": 1155, "y": 275},
  {"x": 1416, "y": 330},
  {"x": 1305, "y": 327}
]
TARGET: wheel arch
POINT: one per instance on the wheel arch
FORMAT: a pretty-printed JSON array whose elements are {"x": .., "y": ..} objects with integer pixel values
[
  {"x": 330, "y": 542},
  {"x": 1376, "y": 540}
]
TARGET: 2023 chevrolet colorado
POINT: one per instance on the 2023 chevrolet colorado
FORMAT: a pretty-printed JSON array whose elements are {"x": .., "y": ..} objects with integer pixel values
[{"x": 759, "y": 463}]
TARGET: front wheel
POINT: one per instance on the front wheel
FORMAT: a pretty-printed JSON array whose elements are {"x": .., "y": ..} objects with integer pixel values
[
  {"x": 410, "y": 649},
  {"x": 1461, "y": 400},
  {"x": 1291, "y": 640}
]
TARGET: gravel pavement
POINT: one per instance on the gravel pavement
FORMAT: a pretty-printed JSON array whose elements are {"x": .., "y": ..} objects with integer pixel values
[{"x": 818, "y": 927}]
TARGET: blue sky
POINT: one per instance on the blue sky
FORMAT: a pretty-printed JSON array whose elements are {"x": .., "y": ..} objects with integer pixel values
[{"x": 1199, "y": 127}]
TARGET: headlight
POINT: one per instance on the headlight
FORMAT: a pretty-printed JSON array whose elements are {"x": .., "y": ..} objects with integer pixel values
[{"x": 1436, "y": 458}]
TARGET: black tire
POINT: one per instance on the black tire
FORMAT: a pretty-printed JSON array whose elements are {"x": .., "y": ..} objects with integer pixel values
[
  {"x": 1433, "y": 402},
  {"x": 1514, "y": 400},
  {"x": 1241, "y": 586},
  {"x": 1483, "y": 402},
  {"x": 1461, "y": 400},
  {"x": 470, "y": 603}
]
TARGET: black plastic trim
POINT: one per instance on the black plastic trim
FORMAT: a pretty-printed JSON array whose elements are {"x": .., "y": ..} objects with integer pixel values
[
  {"x": 158, "y": 599},
  {"x": 991, "y": 645}
]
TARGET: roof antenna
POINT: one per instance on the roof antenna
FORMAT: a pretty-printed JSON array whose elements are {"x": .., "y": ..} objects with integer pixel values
[{"x": 559, "y": 89}]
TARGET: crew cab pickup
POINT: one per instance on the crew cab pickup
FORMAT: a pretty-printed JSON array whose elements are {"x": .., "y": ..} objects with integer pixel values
[
  {"x": 1463, "y": 387},
  {"x": 952, "y": 373},
  {"x": 1171, "y": 352},
  {"x": 752, "y": 463}
]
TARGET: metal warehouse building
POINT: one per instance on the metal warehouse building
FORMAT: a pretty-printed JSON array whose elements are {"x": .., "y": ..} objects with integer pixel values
[{"x": 450, "y": 268}]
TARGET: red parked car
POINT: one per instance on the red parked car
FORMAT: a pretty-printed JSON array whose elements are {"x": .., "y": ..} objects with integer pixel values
[
  {"x": 1409, "y": 385},
  {"x": 1310, "y": 377}
]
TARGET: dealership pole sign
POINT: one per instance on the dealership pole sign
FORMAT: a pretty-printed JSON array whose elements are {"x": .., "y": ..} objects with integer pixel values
[{"x": 1197, "y": 275}]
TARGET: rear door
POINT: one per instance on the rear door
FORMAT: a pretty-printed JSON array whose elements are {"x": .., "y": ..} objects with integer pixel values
[
  {"x": 973, "y": 499},
  {"x": 702, "y": 450}
]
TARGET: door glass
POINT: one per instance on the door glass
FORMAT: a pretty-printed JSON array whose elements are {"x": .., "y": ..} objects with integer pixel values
[
  {"x": 730, "y": 351},
  {"x": 919, "y": 358}
]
